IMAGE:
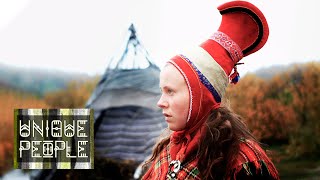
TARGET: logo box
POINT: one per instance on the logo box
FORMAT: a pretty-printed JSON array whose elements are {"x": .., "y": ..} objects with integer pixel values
[{"x": 53, "y": 138}]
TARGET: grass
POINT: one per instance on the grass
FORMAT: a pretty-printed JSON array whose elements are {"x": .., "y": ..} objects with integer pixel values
[{"x": 298, "y": 168}]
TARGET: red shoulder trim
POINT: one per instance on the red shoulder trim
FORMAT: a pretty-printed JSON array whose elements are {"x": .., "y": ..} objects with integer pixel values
[{"x": 251, "y": 152}]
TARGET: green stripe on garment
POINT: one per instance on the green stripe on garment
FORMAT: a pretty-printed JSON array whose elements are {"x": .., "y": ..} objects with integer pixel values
[
  {"x": 158, "y": 164},
  {"x": 194, "y": 172},
  {"x": 265, "y": 165},
  {"x": 247, "y": 168}
]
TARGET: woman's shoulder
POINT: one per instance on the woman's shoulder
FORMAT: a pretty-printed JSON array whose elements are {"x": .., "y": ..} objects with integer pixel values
[{"x": 252, "y": 162}]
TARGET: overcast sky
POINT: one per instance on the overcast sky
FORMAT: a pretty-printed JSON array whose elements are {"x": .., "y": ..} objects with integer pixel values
[{"x": 82, "y": 35}]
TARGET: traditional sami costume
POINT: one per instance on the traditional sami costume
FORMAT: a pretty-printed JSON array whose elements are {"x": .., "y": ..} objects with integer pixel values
[{"x": 207, "y": 70}]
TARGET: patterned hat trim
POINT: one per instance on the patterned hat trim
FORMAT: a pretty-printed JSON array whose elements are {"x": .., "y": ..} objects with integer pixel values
[
  {"x": 227, "y": 43},
  {"x": 211, "y": 74}
]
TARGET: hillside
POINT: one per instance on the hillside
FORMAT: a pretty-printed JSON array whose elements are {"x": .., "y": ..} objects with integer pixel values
[
  {"x": 36, "y": 81},
  {"x": 268, "y": 72}
]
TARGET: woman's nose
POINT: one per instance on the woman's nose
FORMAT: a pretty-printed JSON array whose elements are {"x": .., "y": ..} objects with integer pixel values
[{"x": 162, "y": 103}]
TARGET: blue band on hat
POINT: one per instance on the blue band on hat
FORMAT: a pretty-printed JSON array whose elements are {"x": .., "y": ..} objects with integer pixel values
[{"x": 204, "y": 80}]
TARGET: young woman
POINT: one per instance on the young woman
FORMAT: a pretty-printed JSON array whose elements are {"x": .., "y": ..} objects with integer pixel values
[{"x": 209, "y": 141}]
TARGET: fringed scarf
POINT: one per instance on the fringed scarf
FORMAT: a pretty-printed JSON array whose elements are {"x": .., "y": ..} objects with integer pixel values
[{"x": 250, "y": 153}]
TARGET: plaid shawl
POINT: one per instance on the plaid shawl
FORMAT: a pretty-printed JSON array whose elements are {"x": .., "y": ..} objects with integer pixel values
[
  {"x": 160, "y": 167},
  {"x": 250, "y": 160}
]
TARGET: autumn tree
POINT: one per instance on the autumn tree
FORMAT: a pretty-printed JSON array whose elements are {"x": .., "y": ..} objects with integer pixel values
[
  {"x": 265, "y": 113},
  {"x": 305, "y": 88},
  {"x": 285, "y": 107}
]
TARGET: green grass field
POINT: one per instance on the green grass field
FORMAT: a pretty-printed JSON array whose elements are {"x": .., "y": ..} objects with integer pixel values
[{"x": 294, "y": 169}]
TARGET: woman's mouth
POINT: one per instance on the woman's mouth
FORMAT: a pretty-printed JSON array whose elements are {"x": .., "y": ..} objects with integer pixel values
[{"x": 167, "y": 116}]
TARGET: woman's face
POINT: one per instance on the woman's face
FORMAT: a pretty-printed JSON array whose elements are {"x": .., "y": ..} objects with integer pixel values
[{"x": 174, "y": 100}]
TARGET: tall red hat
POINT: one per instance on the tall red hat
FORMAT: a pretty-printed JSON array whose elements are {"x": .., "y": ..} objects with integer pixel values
[
  {"x": 242, "y": 23},
  {"x": 207, "y": 68}
]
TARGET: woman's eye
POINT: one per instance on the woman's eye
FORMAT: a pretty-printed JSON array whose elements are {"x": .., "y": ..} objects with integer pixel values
[{"x": 170, "y": 91}]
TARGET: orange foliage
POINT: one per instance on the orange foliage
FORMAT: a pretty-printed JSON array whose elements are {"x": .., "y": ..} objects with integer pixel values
[
  {"x": 266, "y": 116},
  {"x": 285, "y": 107},
  {"x": 9, "y": 101},
  {"x": 273, "y": 120}
]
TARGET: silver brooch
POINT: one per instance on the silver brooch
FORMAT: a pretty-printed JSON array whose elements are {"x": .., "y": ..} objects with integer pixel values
[{"x": 174, "y": 168}]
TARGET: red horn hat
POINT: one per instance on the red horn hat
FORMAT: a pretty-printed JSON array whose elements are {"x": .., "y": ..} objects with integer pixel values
[
  {"x": 207, "y": 68},
  {"x": 243, "y": 23}
]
